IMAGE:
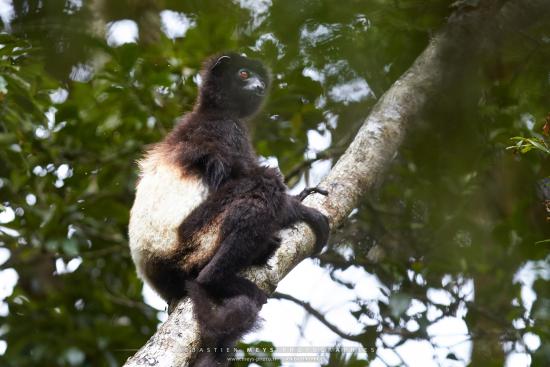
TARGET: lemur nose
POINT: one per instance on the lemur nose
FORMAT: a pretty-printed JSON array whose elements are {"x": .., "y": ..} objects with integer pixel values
[
  {"x": 255, "y": 85},
  {"x": 259, "y": 88}
]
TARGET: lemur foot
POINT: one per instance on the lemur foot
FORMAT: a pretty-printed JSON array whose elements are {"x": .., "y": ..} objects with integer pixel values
[{"x": 310, "y": 190}]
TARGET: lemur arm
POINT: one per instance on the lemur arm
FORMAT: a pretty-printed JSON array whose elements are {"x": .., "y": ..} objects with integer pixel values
[{"x": 213, "y": 164}]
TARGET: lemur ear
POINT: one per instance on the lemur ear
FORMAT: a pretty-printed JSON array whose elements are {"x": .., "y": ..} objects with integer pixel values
[{"x": 220, "y": 61}]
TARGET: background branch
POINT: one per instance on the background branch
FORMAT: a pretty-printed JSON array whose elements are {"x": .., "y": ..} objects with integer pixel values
[{"x": 318, "y": 315}]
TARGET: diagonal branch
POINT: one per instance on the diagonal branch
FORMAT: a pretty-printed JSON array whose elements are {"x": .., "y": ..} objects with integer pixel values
[
  {"x": 362, "y": 166},
  {"x": 318, "y": 315}
]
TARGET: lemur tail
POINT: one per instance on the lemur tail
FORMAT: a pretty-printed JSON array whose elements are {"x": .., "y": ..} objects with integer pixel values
[
  {"x": 318, "y": 222},
  {"x": 221, "y": 323}
]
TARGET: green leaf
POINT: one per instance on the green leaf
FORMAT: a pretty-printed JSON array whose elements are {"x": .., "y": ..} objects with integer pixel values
[
  {"x": 3, "y": 85},
  {"x": 70, "y": 247},
  {"x": 7, "y": 138},
  {"x": 399, "y": 303},
  {"x": 539, "y": 145}
]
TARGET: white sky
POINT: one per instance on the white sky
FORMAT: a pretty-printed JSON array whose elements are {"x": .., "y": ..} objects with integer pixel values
[{"x": 6, "y": 11}]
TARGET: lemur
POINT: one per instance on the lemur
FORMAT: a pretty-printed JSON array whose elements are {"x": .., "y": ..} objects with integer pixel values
[{"x": 205, "y": 208}]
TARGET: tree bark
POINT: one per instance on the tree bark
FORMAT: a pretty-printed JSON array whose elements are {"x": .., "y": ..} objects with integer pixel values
[{"x": 362, "y": 166}]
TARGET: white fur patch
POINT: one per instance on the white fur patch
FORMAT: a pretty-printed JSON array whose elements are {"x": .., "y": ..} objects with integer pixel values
[{"x": 164, "y": 198}]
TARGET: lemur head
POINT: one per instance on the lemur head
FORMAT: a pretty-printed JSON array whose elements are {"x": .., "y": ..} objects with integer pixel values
[{"x": 233, "y": 84}]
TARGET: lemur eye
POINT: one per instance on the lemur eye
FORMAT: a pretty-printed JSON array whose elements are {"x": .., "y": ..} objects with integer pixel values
[{"x": 244, "y": 74}]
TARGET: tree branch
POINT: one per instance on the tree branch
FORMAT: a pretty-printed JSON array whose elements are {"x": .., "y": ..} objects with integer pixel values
[
  {"x": 318, "y": 315},
  {"x": 362, "y": 166}
]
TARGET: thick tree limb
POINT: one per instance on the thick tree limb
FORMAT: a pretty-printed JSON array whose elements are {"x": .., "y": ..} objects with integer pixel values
[{"x": 364, "y": 162}]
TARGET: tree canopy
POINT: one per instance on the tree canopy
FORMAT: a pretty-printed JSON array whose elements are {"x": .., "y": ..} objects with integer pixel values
[{"x": 458, "y": 228}]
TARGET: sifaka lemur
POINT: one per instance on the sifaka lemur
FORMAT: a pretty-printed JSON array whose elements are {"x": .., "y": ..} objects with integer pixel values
[{"x": 205, "y": 208}]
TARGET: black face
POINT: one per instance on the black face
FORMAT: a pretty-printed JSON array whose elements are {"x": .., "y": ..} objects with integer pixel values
[
  {"x": 234, "y": 84},
  {"x": 251, "y": 81}
]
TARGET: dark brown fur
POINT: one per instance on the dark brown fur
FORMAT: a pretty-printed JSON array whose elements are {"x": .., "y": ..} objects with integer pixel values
[{"x": 247, "y": 204}]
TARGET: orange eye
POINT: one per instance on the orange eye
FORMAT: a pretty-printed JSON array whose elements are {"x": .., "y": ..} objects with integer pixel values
[{"x": 244, "y": 74}]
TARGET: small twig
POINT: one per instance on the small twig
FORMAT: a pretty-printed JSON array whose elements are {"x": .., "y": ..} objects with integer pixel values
[
  {"x": 392, "y": 348},
  {"x": 127, "y": 302},
  {"x": 296, "y": 170},
  {"x": 307, "y": 163},
  {"x": 318, "y": 315}
]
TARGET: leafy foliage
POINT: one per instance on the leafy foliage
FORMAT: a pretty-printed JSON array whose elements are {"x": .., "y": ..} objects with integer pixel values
[{"x": 524, "y": 145}]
